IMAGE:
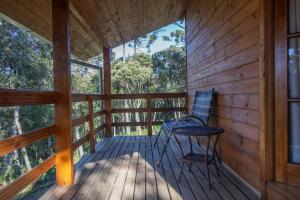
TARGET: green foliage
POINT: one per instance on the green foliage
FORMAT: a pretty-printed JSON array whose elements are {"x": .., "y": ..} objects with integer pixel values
[
  {"x": 169, "y": 68},
  {"x": 132, "y": 76},
  {"x": 26, "y": 63}
]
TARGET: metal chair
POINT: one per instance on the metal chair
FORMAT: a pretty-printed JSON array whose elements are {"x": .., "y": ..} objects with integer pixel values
[{"x": 200, "y": 115}]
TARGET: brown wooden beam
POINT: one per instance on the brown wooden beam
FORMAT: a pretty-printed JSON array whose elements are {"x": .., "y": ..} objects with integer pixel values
[
  {"x": 107, "y": 91},
  {"x": 11, "y": 190},
  {"x": 149, "y": 115},
  {"x": 153, "y": 95},
  {"x": 130, "y": 124},
  {"x": 80, "y": 142},
  {"x": 13, "y": 143},
  {"x": 62, "y": 85},
  {"x": 80, "y": 120},
  {"x": 91, "y": 124},
  {"x": 9, "y": 97}
]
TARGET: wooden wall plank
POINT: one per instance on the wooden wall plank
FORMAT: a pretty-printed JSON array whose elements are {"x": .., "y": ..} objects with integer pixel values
[
  {"x": 62, "y": 85},
  {"x": 223, "y": 53}
]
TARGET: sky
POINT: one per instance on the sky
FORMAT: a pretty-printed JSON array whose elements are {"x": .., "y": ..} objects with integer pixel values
[{"x": 158, "y": 45}]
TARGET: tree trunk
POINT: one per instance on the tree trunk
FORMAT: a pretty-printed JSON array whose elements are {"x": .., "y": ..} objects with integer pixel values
[
  {"x": 134, "y": 47},
  {"x": 18, "y": 128},
  {"x": 127, "y": 118},
  {"x": 77, "y": 136},
  {"x": 124, "y": 52},
  {"x": 137, "y": 104}
]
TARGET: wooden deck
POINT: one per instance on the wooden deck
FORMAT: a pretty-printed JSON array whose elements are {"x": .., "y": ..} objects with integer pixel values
[{"x": 124, "y": 168}]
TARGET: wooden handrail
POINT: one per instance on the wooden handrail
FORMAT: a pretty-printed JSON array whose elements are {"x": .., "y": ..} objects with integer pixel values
[
  {"x": 129, "y": 124},
  {"x": 12, "y": 143},
  {"x": 80, "y": 120},
  {"x": 84, "y": 97},
  {"x": 20, "y": 97},
  {"x": 10, "y": 97},
  {"x": 153, "y": 95},
  {"x": 149, "y": 109},
  {"x": 99, "y": 113},
  {"x": 80, "y": 141},
  {"x": 9, "y": 191},
  {"x": 97, "y": 130}
]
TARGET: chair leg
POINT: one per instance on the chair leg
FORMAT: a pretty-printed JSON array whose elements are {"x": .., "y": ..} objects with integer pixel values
[
  {"x": 190, "y": 167},
  {"x": 217, "y": 168},
  {"x": 156, "y": 139},
  {"x": 181, "y": 171},
  {"x": 163, "y": 151},
  {"x": 207, "y": 162}
]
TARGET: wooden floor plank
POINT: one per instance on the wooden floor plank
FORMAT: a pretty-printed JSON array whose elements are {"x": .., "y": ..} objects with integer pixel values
[
  {"x": 228, "y": 185},
  {"x": 162, "y": 185},
  {"x": 176, "y": 191},
  {"x": 216, "y": 184},
  {"x": 86, "y": 169},
  {"x": 151, "y": 187},
  {"x": 117, "y": 189},
  {"x": 199, "y": 177},
  {"x": 108, "y": 176},
  {"x": 89, "y": 189},
  {"x": 140, "y": 181},
  {"x": 128, "y": 191},
  {"x": 124, "y": 168},
  {"x": 190, "y": 190}
]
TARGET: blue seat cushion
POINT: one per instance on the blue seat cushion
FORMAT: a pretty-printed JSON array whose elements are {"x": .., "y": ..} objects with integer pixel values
[{"x": 169, "y": 125}]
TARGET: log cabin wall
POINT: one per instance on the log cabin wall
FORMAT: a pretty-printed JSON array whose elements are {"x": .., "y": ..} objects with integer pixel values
[{"x": 223, "y": 53}]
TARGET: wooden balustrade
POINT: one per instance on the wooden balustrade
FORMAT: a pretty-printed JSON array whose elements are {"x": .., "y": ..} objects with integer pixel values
[
  {"x": 148, "y": 109},
  {"x": 18, "y": 97}
]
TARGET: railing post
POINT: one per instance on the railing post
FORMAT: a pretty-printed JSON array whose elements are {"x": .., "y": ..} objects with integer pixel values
[
  {"x": 149, "y": 114},
  {"x": 91, "y": 124},
  {"x": 62, "y": 86},
  {"x": 107, "y": 91}
]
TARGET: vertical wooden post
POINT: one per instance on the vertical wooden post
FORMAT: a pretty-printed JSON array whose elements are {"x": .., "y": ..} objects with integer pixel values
[
  {"x": 149, "y": 114},
  {"x": 91, "y": 124},
  {"x": 62, "y": 85},
  {"x": 107, "y": 91},
  {"x": 186, "y": 102}
]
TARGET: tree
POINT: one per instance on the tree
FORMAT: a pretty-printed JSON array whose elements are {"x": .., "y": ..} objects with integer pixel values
[
  {"x": 25, "y": 63},
  {"x": 133, "y": 76}
]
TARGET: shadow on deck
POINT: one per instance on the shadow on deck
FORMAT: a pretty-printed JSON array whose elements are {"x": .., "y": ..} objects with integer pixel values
[{"x": 124, "y": 168}]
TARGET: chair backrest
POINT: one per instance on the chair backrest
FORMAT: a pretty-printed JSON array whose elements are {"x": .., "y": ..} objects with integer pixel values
[{"x": 203, "y": 103}]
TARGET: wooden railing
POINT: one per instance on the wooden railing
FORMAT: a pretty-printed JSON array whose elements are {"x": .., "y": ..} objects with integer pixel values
[
  {"x": 90, "y": 98},
  {"x": 18, "y": 97},
  {"x": 148, "y": 109}
]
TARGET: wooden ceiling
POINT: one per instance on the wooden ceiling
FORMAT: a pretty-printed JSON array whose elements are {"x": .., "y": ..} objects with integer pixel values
[{"x": 97, "y": 23}]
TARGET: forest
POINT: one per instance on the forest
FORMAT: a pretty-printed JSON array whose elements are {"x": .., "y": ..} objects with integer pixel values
[{"x": 26, "y": 64}]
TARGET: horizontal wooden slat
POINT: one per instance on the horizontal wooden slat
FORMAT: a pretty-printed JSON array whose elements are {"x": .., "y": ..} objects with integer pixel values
[
  {"x": 100, "y": 128},
  {"x": 10, "y": 97},
  {"x": 144, "y": 96},
  {"x": 99, "y": 113},
  {"x": 129, "y": 124},
  {"x": 80, "y": 142},
  {"x": 9, "y": 191},
  {"x": 128, "y": 110},
  {"x": 12, "y": 143},
  {"x": 168, "y": 109},
  {"x": 84, "y": 97},
  {"x": 80, "y": 120},
  {"x": 157, "y": 123},
  {"x": 85, "y": 64}
]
